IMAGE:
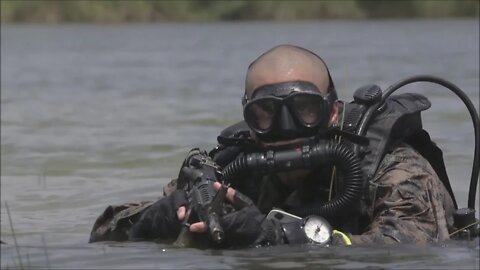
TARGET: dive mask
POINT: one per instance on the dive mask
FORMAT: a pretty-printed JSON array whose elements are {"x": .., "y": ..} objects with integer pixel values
[{"x": 288, "y": 110}]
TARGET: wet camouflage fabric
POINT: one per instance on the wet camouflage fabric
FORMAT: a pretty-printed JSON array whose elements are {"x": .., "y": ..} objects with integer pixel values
[
  {"x": 407, "y": 203},
  {"x": 115, "y": 222}
]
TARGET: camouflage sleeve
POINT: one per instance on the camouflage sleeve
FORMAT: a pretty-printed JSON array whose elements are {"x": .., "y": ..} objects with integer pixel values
[
  {"x": 115, "y": 222},
  {"x": 409, "y": 204}
]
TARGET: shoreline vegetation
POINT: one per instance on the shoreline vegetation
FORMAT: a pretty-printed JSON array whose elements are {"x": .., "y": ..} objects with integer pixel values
[{"x": 108, "y": 11}]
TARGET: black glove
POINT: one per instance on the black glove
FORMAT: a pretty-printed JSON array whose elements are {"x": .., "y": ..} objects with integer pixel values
[
  {"x": 247, "y": 226},
  {"x": 160, "y": 220},
  {"x": 242, "y": 227},
  {"x": 271, "y": 234}
]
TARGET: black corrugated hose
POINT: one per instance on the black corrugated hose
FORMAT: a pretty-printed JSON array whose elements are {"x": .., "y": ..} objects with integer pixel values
[{"x": 322, "y": 153}]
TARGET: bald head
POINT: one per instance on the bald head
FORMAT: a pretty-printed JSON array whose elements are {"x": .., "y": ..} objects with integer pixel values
[{"x": 286, "y": 63}]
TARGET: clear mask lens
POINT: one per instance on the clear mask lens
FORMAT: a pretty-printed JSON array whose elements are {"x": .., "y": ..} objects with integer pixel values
[{"x": 307, "y": 109}]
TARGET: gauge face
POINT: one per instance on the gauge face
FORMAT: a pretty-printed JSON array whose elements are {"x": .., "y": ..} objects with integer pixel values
[{"x": 317, "y": 229}]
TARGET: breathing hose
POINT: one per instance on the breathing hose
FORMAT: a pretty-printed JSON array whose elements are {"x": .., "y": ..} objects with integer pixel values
[
  {"x": 327, "y": 153},
  {"x": 471, "y": 109}
]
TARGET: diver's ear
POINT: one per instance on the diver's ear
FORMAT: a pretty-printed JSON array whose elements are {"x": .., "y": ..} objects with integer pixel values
[{"x": 334, "y": 114}]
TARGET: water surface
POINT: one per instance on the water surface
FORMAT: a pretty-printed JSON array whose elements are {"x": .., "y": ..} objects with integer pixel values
[{"x": 104, "y": 114}]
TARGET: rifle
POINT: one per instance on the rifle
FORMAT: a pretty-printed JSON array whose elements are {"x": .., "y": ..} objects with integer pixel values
[{"x": 196, "y": 178}]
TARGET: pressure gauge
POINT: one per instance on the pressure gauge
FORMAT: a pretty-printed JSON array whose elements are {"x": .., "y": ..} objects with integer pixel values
[{"x": 317, "y": 229}]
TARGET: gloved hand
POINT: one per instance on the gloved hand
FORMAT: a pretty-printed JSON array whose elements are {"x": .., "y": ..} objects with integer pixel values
[
  {"x": 162, "y": 219},
  {"x": 242, "y": 227},
  {"x": 246, "y": 226},
  {"x": 271, "y": 234}
]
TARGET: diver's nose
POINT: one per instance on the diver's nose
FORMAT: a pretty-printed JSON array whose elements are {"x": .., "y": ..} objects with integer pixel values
[{"x": 286, "y": 120}]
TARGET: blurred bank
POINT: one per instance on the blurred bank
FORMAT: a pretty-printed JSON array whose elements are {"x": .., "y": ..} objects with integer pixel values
[{"x": 210, "y": 10}]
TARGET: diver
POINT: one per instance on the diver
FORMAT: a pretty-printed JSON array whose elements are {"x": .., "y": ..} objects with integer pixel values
[{"x": 302, "y": 167}]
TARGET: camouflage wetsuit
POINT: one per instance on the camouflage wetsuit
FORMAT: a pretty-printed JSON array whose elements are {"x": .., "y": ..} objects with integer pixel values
[{"x": 406, "y": 203}]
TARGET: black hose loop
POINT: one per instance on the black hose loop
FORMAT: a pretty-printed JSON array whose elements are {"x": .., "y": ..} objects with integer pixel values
[
  {"x": 345, "y": 160},
  {"x": 323, "y": 153}
]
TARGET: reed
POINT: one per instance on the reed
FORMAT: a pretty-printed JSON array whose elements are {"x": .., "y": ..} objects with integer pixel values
[
  {"x": 14, "y": 237},
  {"x": 46, "y": 252}
]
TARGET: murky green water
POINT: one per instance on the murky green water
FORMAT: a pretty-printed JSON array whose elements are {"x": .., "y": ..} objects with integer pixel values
[{"x": 98, "y": 115}]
